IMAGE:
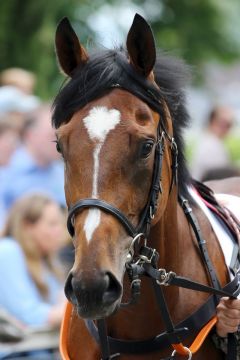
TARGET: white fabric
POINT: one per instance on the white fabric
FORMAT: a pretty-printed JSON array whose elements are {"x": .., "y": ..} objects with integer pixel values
[
  {"x": 230, "y": 202},
  {"x": 223, "y": 238}
]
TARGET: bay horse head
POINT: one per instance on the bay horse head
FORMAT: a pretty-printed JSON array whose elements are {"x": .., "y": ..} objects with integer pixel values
[{"x": 113, "y": 123}]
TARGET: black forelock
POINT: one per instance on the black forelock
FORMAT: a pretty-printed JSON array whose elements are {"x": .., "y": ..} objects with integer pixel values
[
  {"x": 94, "y": 79},
  {"x": 105, "y": 70}
]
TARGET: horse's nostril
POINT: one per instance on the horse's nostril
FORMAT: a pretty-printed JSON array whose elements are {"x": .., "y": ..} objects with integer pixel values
[
  {"x": 113, "y": 289},
  {"x": 102, "y": 290},
  {"x": 68, "y": 289}
]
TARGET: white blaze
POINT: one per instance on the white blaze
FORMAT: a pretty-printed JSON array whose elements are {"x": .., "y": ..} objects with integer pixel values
[{"x": 99, "y": 122}]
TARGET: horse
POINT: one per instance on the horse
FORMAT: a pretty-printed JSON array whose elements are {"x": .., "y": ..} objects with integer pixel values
[{"x": 119, "y": 124}]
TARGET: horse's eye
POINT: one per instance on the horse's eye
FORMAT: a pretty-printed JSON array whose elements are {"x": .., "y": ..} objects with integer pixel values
[
  {"x": 58, "y": 148},
  {"x": 146, "y": 149}
]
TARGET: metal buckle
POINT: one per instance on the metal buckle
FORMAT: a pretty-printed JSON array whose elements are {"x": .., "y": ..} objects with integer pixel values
[
  {"x": 187, "y": 349},
  {"x": 146, "y": 259},
  {"x": 73, "y": 220},
  {"x": 160, "y": 186},
  {"x": 135, "y": 281},
  {"x": 165, "y": 277},
  {"x": 113, "y": 356},
  {"x": 162, "y": 136},
  {"x": 131, "y": 250},
  {"x": 187, "y": 207},
  {"x": 151, "y": 213},
  {"x": 174, "y": 145}
]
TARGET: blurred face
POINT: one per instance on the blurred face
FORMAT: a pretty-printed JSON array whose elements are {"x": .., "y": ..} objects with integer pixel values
[
  {"x": 223, "y": 122},
  {"x": 8, "y": 143},
  {"x": 49, "y": 231},
  {"x": 41, "y": 138}
]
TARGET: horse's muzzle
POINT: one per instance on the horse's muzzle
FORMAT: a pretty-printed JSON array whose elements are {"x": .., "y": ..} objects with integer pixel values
[{"x": 95, "y": 297}]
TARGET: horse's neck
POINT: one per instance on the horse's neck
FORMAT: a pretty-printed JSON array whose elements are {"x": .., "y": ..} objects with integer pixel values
[{"x": 173, "y": 238}]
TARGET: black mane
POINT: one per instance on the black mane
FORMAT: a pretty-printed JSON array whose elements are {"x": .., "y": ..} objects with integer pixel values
[{"x": 104, "y": 71}]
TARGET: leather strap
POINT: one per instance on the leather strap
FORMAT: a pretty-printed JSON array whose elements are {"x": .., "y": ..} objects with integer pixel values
[
  {"x": 201, "y": 242},
  {"x": 102, "y": 331},
  {"x": 135, "y": 346},
  {"x": 186, "y": 283},
  {"x": 166, "y": 317},
  {"x": 103, "y": 205}
]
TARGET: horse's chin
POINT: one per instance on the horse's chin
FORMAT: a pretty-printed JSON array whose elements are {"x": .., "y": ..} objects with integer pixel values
[{"x": 97, "y": 313}]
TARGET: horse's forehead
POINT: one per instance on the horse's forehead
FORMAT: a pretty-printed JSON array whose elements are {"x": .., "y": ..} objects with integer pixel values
[
  {"x": 100, "y": 121},
  {"x": 102, "y": 115}
]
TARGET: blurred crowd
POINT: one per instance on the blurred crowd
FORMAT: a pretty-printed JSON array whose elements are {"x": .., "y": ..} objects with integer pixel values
[
  {"x": 211, "y": 159},
  {"x": 34, "y": 244}
]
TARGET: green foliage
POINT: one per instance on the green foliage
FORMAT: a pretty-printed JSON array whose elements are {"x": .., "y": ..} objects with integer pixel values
[
  {"x": 233, "y": 146},
  {"x": 27, "y": 30},
  {"x": 192, "y": 29}
]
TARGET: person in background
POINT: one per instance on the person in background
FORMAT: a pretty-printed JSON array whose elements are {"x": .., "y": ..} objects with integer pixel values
[
  {"x": 15, "y": 104},
  {"x": 36, "y": 165},
  {"x": 210, "y": 152},
  {"x": 31, "y": 287},
  {"x": 22, "y": 79},
  {"x": 9, "y": 140}
]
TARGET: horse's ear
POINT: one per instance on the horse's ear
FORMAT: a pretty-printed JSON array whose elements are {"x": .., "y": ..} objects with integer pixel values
[
  {"x": 141, "y": 45},
  {"x": 70, "y": 52}
]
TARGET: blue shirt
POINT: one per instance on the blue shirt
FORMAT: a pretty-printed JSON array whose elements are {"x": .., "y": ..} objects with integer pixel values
[
  {"x": 18, "y": 293},
  {"x": 23, "y": 176}
]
